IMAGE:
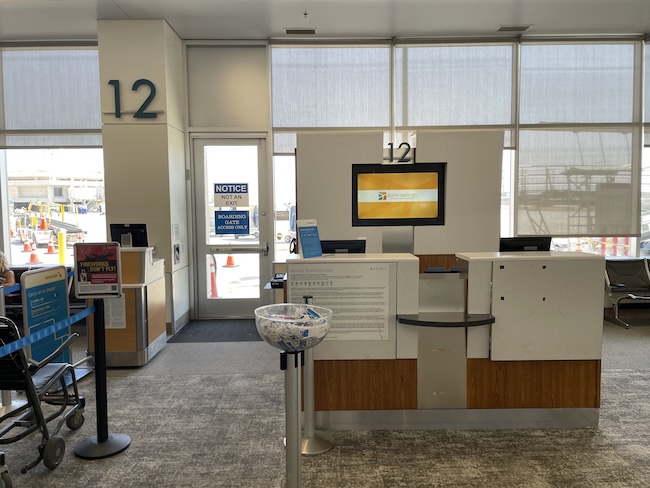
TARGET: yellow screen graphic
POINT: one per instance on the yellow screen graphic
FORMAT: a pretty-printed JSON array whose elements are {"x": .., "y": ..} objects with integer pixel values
[{"x": 397, "y": 195}]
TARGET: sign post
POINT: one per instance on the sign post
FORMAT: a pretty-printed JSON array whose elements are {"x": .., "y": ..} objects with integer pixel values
[{"x": 98, "y": 276}]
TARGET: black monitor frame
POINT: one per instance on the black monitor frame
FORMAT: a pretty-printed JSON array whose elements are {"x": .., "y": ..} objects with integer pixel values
[
  {"x": 139, "y": 237},
  {"x": 527, "y": 243},
  {"x": 342, "y": 246},
  {"x": 439, "y": 168}
]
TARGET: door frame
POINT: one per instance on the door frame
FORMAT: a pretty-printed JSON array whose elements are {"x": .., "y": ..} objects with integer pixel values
[{"x": 266, "y": 222}]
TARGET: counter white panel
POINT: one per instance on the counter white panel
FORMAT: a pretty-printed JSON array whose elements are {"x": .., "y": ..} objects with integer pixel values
[
  {"x": 479, "y": 300},
  {"x": 547, "y": 309},
  {"x": 365, "y": 293}
]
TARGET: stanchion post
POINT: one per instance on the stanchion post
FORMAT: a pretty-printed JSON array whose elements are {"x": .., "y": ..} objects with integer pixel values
[
  {"x": 101, "y": 387},
  {"x": 313, "y": 442},
  {"x": 103, "y": 444}
]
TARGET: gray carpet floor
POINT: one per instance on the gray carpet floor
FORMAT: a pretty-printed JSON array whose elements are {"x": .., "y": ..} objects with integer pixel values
[{"x": 212, "y": 415}]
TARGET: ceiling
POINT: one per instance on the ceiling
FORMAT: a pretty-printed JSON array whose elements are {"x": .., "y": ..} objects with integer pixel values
[{"x": 35, "y": 20}]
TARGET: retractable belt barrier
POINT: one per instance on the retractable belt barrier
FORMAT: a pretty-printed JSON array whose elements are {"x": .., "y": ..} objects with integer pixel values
[
  {"x": 43, "y": 333},
  {"x": 10, "y": 289}
]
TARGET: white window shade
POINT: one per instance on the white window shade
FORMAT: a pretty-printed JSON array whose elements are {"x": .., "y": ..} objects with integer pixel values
[
  {"x": 576, "y": 182},
  {"x": 454, "y": 85},
  {"x": 577, "y": 83},
  {"x": 50, "y": 89},
  {"x": 331, "y": 86}
]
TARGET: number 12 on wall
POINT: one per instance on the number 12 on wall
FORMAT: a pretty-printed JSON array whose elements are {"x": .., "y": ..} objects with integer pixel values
[{"x": 141, "y": 113}]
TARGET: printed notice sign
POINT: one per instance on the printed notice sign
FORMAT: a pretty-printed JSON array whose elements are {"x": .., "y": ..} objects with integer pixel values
[
  {"x": 357, "y": 294},
  {"x": 231, "y": 222},
  {"x": 231, "y": 194},
  {"x": 97, "y": 270},
  {"x": 115, "y": 313}
]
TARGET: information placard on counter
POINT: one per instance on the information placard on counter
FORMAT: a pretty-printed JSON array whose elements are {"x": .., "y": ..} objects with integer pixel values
[{"x": 308, "y": 239}]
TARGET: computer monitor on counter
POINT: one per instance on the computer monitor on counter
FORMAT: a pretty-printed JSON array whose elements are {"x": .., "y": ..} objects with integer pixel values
[
  {"x": 343, "y": 246},
  {"x": 528, "y": 243},
  {"x": 130, "y": 235}
]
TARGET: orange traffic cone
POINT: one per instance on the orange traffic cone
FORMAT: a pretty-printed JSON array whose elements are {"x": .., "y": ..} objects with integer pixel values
[
  {"x": 50, "y": 246},
  {"x": 230, "y": 262},
  {"x": 213, "y": 281},
  {"x": 27, "y": 246},
  {"x": 33, "y": 245},
  {"x": 33, "y": 258},
  {"x": 43, "y": 225}
]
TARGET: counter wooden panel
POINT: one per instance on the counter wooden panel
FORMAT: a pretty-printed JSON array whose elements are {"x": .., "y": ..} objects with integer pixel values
[
  {"x": 156, "y": 311},
  {"x": 118, "y": 340},
  {"x": 533, "y": 384},
  {"x": 373, "y": 384}
]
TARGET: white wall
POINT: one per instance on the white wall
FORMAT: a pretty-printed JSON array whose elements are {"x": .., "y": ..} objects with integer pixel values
[
  {"x": 473, "y": 187},
  {"x": 473, "y": 190},
  {"x": 229, "y": 87},
  {"x": 144, "y": 158},
  {"x": 324, "y": 181}
]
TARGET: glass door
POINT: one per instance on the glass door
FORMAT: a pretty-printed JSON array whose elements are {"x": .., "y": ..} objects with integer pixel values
[{"x": 233, "y": 222}]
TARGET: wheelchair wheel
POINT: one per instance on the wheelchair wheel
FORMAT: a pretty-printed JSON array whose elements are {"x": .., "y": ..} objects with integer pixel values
[
  {"x": 5, "y": 481},
  {"x": 75, "y": 421},
  {"x": 53, "y": 451}
]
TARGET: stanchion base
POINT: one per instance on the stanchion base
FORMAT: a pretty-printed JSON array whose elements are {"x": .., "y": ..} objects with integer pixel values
[
  {"x": 90, "y": 448},
  {"x": 320, "y": 443}
]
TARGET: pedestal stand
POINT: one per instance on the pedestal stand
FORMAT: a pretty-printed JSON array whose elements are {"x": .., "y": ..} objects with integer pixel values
[
  {"x": 290, "y": 363},
  {"x": 314, "y": 441},
  {"x": 103, "y": 444}
]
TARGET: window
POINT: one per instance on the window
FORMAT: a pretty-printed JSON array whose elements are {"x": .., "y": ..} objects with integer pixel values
[
  {"x": 577, "y": 83},
  {"x": 576, "y": 158},
  {"x": 329, "y": 86},
  {"x": 571, "y": 111},
  {"x": 50, "y": 134},
  {"x": 454, "y": 85}
]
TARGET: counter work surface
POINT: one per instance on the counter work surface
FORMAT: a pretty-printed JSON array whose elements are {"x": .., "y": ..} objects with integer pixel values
[{"x": 446, "y": 319}]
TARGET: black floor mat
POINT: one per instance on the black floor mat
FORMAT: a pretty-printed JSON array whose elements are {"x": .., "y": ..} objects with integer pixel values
[{"x": 236, "y": 330}]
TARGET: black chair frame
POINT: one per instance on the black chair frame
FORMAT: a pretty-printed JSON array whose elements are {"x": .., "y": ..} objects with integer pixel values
[{"x": 626, "y": 280}]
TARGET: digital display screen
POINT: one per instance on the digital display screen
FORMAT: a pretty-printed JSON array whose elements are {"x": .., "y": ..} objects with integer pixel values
[{"x": 398, "y": 194}]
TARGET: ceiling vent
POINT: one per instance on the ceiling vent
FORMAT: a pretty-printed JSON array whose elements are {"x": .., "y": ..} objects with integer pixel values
[
  {"x": 297, "y": 31},
  {"x": 514, "y": 28}
]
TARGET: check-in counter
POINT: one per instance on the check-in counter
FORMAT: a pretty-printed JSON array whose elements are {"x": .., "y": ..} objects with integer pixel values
[
  {"x": 523, "y": 349},
  {"x": 544, "y": 349},
  {"x": 135, "y": 324},
  {"x": 356, "y": 367}
]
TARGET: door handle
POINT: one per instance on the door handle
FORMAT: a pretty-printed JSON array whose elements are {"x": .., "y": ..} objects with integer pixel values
[{"x": 263, "y": 249}]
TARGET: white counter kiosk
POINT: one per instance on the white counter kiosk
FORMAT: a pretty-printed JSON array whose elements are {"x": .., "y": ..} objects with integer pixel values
[{"x": 525, "y": 352}]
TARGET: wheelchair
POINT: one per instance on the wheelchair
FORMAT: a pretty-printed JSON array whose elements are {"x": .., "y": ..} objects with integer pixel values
[{"x": 42, "y": 382}]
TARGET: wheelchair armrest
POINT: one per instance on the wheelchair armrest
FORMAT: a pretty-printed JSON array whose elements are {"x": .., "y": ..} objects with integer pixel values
[{"x": 57, "y": 351}]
